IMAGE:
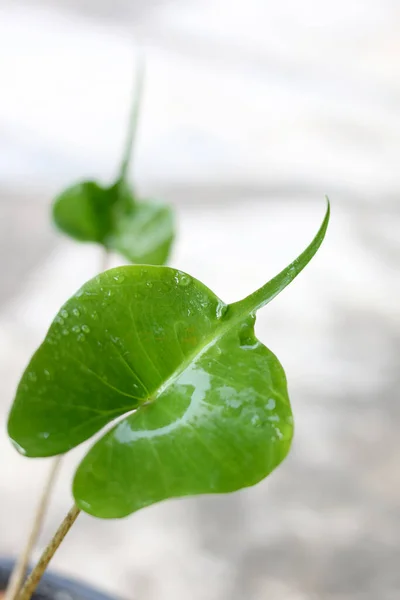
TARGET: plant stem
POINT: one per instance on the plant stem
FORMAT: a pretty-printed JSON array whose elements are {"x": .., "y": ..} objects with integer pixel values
[
  {"x": 104, "y": 260},
  {"x": 133, "y": 120},
  {"x": 21, "y": 565},
  {"x": 37, "y": 573}
]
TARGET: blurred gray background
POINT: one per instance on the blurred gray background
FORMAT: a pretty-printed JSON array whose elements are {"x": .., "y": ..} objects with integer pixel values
[{"x": 253, "y": 110}]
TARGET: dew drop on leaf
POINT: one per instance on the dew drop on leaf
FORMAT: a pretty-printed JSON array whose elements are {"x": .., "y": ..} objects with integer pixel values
[
  {"x": 76, "y": 329},
  {"x": 85, "y": 329},
  {"x": 64, "y": 314},
  {"x": 119, "y": 278},
  {"x": 65, "y": 332},
  {"x": 81, "y": 337},
  {"x": 182, "y": 279},
  {"x": 76, "y": 312},
  {"x": 222, "y": 309}
]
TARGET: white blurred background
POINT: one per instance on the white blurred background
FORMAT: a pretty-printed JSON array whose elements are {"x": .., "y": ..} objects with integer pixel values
[{"x": 253, "y": 110}]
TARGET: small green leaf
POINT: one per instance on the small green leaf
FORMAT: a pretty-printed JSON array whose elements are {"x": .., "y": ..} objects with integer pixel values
[
  {"x": 197, "y": 404},
  {"x": 145, "y": 235},
  {"x": 83, "y": 211},
  {"x": 141, "y": 231}
]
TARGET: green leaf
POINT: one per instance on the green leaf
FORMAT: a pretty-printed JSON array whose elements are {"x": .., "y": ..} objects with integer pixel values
[
  {"x": 83, "y": 211},
  {"x": 196, "y": 403},
  {"x": 141, "y": 231},
  {"x": 145, "y": 235}
]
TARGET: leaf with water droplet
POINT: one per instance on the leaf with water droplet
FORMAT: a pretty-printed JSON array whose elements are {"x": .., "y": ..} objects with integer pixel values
[{"x": 195, "y": 404}]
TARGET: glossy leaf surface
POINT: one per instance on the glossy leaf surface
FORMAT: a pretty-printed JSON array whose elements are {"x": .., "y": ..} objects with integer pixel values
[{"x": 201, "y": 404}]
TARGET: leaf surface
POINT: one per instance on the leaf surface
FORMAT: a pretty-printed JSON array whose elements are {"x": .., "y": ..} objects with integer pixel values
[{"x": 194, "y": 401}]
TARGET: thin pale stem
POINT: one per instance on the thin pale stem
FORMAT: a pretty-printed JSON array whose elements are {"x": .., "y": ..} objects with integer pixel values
[
  {"x": 32, "y": 581},
  {"x": 19, "y": 571},
  {"x": 133, "y": 120},
  {"x": 104, "y": 260}
]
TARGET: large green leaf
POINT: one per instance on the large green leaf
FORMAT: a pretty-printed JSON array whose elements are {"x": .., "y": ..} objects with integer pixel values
[
  {"x": 142, "y": 231},
  {"x": 195, "y": 402}
]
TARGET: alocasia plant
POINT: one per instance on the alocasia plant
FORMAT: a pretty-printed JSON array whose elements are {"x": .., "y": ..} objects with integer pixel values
[
  {"x": 141, "y": 230},
  {"x": 194, "y": 402}
]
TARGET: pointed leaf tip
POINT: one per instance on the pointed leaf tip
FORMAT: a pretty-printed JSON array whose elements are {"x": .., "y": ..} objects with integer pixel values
[{"x": 275, "y": 286}]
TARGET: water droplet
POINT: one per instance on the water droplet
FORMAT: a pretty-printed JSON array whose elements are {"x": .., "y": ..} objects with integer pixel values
[
  {"x": 65, "y": 332},
  {"x": 149, "y": 284},
  {"x": 46, "y": 373},
  {"x": 59, "y": 320},
  {"x": 76, "y": 312},
  {"x": 222, "y": 309},
  {"x": 255, "y": 420},
  {"x": 20, "y": 449},
  {"x": 247, "y": 338},
  {"x": 94, "y": 315},
  {"x": 64, "y": 314},
  {"x": 182, "y": 279},
  {"x": 85, "y": 329},
  {"x": 270, "y": 404},
  {"x": 76, "y": 329},
  {"x": 32, "y": 376},
  {"x": 119, "y": 278},
  {"x": 44, "y": 435},
  {"x": 81, "y": 337}
]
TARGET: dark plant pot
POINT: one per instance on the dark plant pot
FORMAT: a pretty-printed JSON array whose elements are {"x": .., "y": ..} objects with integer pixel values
[{"x": 54, "y": 587}]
